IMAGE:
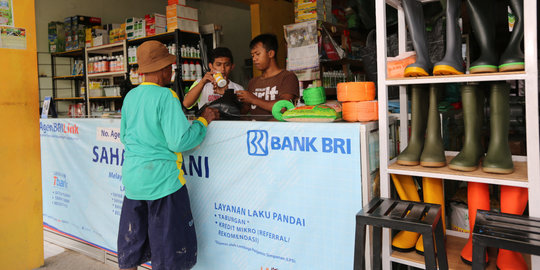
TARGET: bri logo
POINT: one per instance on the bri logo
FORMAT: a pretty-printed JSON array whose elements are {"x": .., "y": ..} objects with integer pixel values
[
  {"x": 59, "y": 180},
  {"x": 59, "y": 128},
  {"x": 259, "y": 143}
]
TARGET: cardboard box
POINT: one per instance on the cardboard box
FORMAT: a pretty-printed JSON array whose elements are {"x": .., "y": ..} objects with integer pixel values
[
  {"x": 178, "y": 11},
  {"x": 156, "y": 19},
  {"x": 176, "y": 2},
  {"x": 56, "y": 37},
  {"x": 308, "y": 10},
  {"x": 85, "y": 20},
  {"x": 150, "y": 31},
  {"x": 182, "y": 24}
]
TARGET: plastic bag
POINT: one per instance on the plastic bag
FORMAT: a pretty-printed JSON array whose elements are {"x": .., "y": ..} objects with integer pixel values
[{"x": 228, "y": 106}]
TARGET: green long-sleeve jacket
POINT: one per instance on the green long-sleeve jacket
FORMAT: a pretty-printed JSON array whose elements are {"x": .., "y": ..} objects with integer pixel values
[{"x": 154, "y": 131}]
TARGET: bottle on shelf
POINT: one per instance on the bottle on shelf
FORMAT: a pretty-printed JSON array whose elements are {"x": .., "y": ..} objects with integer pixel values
[
  {"x": 192, "y": 70},
  {"x": 185, "y": 71},
  {"x": 198, "y": 71}
]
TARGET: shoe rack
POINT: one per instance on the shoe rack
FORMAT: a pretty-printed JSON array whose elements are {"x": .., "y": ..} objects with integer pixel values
[{"x": 527, "y": 169}]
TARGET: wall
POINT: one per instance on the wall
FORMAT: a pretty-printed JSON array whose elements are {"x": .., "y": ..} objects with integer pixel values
[
  {"x": 233, "y": 16},
  {"x": 21, "y": 231}
]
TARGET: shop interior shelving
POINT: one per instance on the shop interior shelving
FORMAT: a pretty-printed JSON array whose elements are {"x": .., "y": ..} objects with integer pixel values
[
  {"x": 76, "y": 80},
  {"x": 527, "y": 172},
  {"x": 118, "y": 48},
  {"x": 179, "y": 38}
]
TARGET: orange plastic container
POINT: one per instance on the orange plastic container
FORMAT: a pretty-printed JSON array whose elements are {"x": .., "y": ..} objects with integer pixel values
[
  {"x": 360, "y": 111},
  {"x": 356, "y": 91}
]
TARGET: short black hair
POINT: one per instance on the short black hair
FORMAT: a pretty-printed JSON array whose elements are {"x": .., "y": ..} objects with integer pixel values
[
  {"x": 269, "y": 42},
  {"x": 220, "y": 52}
]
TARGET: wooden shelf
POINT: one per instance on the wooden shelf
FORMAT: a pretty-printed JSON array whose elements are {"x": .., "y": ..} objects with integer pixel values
[
  {"x": 114, "y": 97},
  {"x": 453, "y": 252},
  {"x": 69, "y": 77},
  {"x": 163, "y": 37},
  {"x": 495, "y": 76},
  {"x": 107, "y": 48},
  {"x": 72, "y": 53},
  {"x": 518, "y": 178},
  {"x": 107, "y": 74},
  {"x": 69, "y": 99},
  {"x": 191, "y": 58}
]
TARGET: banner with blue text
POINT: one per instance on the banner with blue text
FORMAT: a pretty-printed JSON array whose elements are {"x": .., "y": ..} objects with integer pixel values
[
  {"x": 264, "y": 195},
  {"x": 271, "y": 195},
  {"x": 81, "y": 165}
]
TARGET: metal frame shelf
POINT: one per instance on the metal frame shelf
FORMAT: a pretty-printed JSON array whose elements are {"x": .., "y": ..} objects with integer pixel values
[{"x": 525, "y": 176}]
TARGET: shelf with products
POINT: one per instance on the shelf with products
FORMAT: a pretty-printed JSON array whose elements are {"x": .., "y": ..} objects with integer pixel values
[
  {"x": 524, "y": 171},
  {"x": 106, "y": 65},
  {"x": 178, "y": 43},
  {"x": 63, "y": 73}
]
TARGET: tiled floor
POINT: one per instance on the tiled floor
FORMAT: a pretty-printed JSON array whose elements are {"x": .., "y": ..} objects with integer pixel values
[{"x": 59, "y": 258}]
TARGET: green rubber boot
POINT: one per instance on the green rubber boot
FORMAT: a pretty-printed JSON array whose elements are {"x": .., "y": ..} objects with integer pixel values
[
  {"x": 419, "y": 108},
  {"x": 452, "y": 63},
  {"x": 512, "y": 57},
  {"x": 433, "y": 152},
  {"x": 484, "y": 32},
  {"x": 414, "y": 15},
  {"x": 499, "y": 158},
  {"x": 467, "y": 160}
]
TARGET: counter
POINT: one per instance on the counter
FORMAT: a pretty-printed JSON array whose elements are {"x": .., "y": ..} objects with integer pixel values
[{"x": 264, "y": 195}]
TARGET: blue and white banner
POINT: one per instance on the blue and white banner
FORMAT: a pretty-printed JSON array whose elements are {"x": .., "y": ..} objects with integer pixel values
[
  {"x": 81, "y": 166},
  {"x": 264, "y": 195},
  {"x": 270, "y": 195}
]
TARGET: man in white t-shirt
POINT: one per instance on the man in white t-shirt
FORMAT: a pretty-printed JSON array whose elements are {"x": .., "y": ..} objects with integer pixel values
[{"x": 206, "y": 90}]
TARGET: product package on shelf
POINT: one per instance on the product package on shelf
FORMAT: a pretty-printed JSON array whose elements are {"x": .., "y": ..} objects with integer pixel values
[
  {"x": 309, "y": 10},
  {"x": 155, "y": 24},
  {"x": 75, "y": 30},
  {"x": 135, "y": 28},
  {"x": 183, "y": 18},
  {"x": 56, "y": 36}
]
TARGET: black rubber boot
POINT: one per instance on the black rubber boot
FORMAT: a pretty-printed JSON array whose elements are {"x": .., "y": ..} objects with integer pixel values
[
  {"x": 484, "y": 32},
  {"x": 512, "y": 58},
  {"x": 414, "y": 16},
  {"x": 499, "y": 158},
  {"x": 433, "y": 152},
  {"x": 467, "y": 160},
  {"x": 452, "y": 63},
  {"x": 419, "y": 109}
]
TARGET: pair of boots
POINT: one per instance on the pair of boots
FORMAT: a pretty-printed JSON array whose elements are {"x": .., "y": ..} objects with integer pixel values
[
  {"x": 498, "y": 158},
  {"x": 425, "y": 143},
  {"x": 513, "y": 201},
  {"x": 480, "y": 14},
  {"x": 452, "y": 63},
  {"x": 433, "y": 193}
]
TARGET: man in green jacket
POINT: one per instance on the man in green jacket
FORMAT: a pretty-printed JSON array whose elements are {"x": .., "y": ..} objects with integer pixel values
[{"x": 156, "y": 222}]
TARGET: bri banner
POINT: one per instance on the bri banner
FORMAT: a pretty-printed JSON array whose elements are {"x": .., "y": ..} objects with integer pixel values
[{"x": 264, "y": 195}]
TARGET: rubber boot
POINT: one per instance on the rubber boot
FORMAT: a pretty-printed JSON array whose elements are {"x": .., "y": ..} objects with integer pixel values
[
  {"x": 499, "y": 158},
  {"x": 484, "y": 31},
  {"x": 433, "y": 152},
  {"x": 478, "y": 198},
  {"x": 419, "y": 109},
  {"x": 452, "y": 63},
  {"x": 512, "y": 57},
  {"x": 414, "y": 15},
  {"x": 404, "y": 241},
  {"x": 467, "y": 160},
  {"x": 513, "y": 201},
  {"x": 433, "y": 193}
]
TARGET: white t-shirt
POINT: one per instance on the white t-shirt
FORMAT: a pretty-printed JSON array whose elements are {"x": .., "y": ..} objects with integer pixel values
[{"x": 208, "y": 95}]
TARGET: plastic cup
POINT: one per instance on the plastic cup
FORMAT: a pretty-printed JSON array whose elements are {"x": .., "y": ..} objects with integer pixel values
[{"x": 221, "y": 82}]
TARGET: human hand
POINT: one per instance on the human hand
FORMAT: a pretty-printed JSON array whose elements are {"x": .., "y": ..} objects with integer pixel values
[
  {"x": 210, "y": 114},
  {"x": 246, "y": 96},
  {"x": 208, "y": 78}
]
